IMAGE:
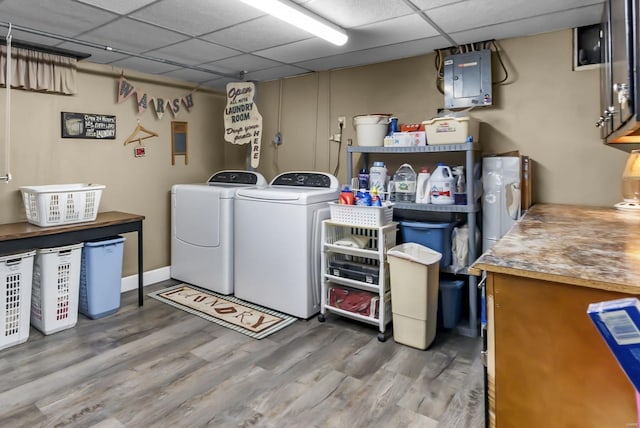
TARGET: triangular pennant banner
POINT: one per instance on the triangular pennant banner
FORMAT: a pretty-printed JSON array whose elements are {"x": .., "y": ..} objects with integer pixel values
[{"x": 125, "y": 89}]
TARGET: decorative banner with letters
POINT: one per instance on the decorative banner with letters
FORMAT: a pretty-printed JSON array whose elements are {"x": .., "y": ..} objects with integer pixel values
[
  {"x": 160, "y": 104},
  {"x": 242, "y": 120}
]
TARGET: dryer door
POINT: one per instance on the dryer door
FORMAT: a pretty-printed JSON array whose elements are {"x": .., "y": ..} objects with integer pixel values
[{"x": 196, "y": 215}]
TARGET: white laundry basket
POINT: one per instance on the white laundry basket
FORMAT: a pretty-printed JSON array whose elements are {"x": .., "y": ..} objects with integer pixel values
[
  {"x": 53, "y": 205},
  {"x": 56, "y": 288},
  {"x": 16, "y": 272}
]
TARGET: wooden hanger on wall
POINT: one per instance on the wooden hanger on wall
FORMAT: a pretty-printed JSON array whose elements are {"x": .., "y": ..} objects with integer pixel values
[{"x": 135, "y": 135}]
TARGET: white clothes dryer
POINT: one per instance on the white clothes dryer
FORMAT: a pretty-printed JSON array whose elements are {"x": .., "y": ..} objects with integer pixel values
[
  {"x": 278, "y": 234},
  {"x": 202, "y": 217}
]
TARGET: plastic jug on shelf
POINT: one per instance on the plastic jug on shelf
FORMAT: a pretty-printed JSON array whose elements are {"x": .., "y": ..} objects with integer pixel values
[
  {"x": 405, "y": 184},
  {"x": 442, "y": 185},
  {"x": 422, "y": 186}
]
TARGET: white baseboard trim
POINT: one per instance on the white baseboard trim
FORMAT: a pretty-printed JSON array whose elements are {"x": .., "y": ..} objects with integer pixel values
[{"x": 150, "y": 277}]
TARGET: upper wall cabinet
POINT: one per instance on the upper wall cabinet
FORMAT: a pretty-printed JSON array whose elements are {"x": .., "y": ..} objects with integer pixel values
[{"x": 619, "y": 80}]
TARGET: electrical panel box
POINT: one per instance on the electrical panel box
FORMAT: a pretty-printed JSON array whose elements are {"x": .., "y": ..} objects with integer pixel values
[{"x": 467, "y": 79}]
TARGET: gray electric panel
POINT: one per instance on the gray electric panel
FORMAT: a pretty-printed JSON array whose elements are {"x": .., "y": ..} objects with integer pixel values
[{"x": 467, "y": 79}]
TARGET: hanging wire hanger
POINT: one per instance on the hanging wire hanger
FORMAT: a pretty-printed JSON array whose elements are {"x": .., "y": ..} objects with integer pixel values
[{"x": 135, "y": 135}]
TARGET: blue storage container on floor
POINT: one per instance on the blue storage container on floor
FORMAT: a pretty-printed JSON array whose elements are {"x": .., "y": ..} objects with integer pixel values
[
  {"x": 100, "y": 277},
  {"x": 436, "y": 236},
  {"x": 449, "y": 302}
]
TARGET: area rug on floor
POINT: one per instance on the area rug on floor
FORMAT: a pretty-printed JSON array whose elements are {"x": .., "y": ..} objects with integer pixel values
[{"x": 228, "y": 311}]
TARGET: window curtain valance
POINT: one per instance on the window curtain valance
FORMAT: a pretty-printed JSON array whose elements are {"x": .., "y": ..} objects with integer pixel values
[{"x": 39, "y": 71}]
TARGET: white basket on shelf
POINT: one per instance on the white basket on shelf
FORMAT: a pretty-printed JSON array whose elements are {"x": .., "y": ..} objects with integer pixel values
[
  {"x": 58, "y": 204},
  {"x": 361, "y": 215}
]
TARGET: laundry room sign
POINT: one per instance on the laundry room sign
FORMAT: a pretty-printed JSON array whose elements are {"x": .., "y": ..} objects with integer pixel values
[{"x": 242, "y": 120}]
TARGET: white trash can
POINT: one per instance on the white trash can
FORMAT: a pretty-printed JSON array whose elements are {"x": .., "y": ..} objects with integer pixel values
[{"x": 414, "y": 271}]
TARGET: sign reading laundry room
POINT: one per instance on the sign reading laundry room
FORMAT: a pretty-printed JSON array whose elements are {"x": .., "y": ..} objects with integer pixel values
[
  {"x": 242, "y": 120},
  {"x": 160, "y": 104}
]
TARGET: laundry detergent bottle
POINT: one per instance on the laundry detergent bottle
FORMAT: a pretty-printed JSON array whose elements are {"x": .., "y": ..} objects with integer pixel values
[{"x": 442, "y": 185}]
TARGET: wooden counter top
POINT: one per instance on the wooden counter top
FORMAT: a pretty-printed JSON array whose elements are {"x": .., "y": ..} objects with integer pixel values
[
  {"x": 587, "y": 246},
  {"x": 24, "y": 229}
]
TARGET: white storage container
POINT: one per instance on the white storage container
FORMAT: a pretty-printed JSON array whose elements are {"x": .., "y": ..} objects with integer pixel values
[
  {"x": 58, "y": 204},
  {"x": 451, "y": 130},
  {"x": 56, "y": 288},
  {"x": 16, "y": 272},
  {"x": 361, "y": 215}
]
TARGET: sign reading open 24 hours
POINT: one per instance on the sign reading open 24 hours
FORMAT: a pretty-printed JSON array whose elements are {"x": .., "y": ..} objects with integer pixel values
[
  {"x": 242, "y": 120},
  {"x": 88, "y": 125}
]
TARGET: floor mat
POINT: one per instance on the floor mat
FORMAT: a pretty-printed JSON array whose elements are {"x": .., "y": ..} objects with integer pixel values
[{"x": 228, "y": 311}]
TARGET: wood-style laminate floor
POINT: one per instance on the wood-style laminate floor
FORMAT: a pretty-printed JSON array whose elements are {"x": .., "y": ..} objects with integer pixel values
[{"x": 158, "y": 366}]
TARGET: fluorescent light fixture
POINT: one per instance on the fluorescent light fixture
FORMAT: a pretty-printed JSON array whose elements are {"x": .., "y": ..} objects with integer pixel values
[{"x": 301, "y": 18}]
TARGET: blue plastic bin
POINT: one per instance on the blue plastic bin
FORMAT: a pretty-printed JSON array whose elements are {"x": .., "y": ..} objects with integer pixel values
[
  {"x": 449, "y": 302},
  {"x": 100, "y": 277},
  {"x": 436, "y": 236}
]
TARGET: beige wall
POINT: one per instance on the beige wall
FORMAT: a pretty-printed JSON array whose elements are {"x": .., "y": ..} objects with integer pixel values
[
  {"x": 138, "y": 185},
  {"x": 546, "y": 111}
]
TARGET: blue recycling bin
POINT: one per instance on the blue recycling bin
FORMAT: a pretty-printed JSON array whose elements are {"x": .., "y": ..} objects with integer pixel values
[{"x": 100, "y": 277}]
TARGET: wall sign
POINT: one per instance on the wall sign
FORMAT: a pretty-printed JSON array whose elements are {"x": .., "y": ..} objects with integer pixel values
[
  {"x": 88, "y": 125},
  {"x": 242, "y": 120}
]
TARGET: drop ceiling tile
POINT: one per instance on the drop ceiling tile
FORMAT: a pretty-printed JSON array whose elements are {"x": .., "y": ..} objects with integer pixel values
[
  {"x": 190, "y": 75},
  {"x": 23, "y": 36},
  {"x": 61, "y": 17},
  {"x": 245, "y": 62},
  {"x": 525, "y": 27},
  {"x": 196, "y": 17},
  {"x": 118, "y": 6},
  {"x": 354, "y": 13},
  {"x": 275, "y": 73},
  {"x": 375, "y": 55},
  {"x": 432, "y": 4},
  {"x": 144, "y": 65},
  {"x": 390, "y": 32},
  {"x": 479, "y": 13},
  {"x": 127, "y": 34},
  {"x": 219, "y": 84},
  {"x": 193, "y": 51},
  {"x": 260, "y": 33}
]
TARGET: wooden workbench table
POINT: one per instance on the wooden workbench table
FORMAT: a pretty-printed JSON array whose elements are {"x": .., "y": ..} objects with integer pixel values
[{"x": 22, "y": 236}]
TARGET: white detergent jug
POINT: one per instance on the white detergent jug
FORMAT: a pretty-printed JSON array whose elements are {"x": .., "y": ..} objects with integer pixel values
[
  {"x": 422, "y": 186},
  {"x": 442, "y": 185}
]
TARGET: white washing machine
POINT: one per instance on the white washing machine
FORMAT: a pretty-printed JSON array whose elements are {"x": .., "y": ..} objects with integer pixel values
[
  {"x": 202, "y": 217},
  {"x": 278, "y": 233}
]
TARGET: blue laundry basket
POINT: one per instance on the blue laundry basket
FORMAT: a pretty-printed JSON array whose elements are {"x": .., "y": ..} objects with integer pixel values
[{"x": 100, "y": 277}]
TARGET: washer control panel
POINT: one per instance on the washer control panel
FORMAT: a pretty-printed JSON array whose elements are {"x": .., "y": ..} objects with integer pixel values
[
  {"x": 236, "y": 177},
  {"x": 306, "y": 179}
]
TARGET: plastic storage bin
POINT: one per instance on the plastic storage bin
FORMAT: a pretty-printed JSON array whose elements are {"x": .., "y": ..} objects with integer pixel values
[
  {"x": 16, "y": 271},
  {"x": 436, "y": 236},
  {"x": 451, "y": 130},
  {"x": 101, "y": 277},
  {"x": 449, "y": 302},
  {"x": 61, "y": 203},
  {"x": 414, "y": 293},
  {"x": 56, "y": 281}
]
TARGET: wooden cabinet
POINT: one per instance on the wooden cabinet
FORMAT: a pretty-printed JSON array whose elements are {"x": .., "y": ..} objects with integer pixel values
[
  {"x": 619, "y": 83},
  {"x": 547, "y": 364}
]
